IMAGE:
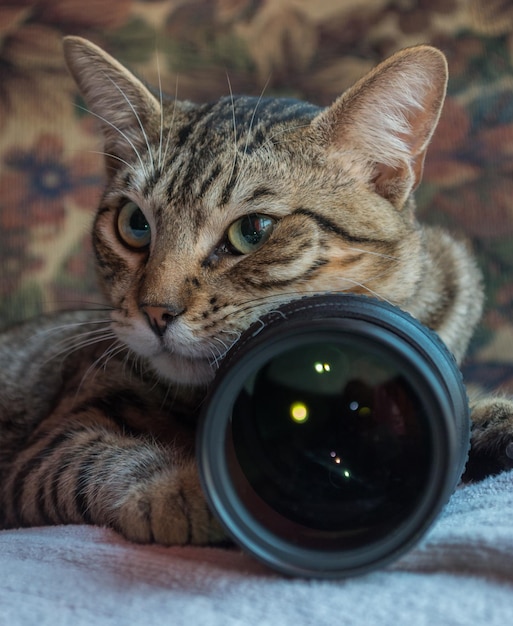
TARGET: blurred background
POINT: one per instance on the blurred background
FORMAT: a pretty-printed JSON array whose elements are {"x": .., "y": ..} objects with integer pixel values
[{"x": 51, "y": 177}]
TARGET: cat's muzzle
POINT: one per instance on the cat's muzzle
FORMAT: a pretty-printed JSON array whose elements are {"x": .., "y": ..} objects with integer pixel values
[{"x": 335, "y": 431}]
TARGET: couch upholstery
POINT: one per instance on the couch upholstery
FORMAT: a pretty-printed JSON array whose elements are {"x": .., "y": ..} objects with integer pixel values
[{"x": 51, "y": 176}]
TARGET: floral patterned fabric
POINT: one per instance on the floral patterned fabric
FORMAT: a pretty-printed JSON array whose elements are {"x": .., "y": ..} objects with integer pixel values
[{"x": 51, "y": 172}]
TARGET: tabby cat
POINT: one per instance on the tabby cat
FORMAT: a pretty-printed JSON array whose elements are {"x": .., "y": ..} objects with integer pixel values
[{"x": 212, "y": 215}]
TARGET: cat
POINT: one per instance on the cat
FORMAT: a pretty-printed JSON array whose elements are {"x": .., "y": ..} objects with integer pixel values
[{"x": 212, "y": 215}]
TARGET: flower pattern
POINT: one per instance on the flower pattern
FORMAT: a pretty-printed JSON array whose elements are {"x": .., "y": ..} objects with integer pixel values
[
  {"x": 50, "y": 179},
  {"x": 37, "y": 182}
]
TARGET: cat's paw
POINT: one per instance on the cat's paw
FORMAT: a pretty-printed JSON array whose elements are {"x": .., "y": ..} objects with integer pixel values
[
  {"x": 170, "y": 509},
  {"x": 491, "y": 448}
]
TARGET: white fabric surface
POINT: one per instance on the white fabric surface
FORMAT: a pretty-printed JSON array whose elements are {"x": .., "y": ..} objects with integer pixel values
[{"x": 461, "y": 574}]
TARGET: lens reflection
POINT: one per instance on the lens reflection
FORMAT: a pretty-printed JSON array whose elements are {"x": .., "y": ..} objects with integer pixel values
[{"x": 333, "y": 438}]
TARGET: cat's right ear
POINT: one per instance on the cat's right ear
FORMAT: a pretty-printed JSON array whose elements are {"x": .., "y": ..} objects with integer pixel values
[
  {"x": 381, "y": 127},
  {"x": 115, "y": 96}
]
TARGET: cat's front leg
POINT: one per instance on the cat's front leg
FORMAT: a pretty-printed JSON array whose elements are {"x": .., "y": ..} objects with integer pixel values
[
  {"x": 491, "y": 448},
  {"x": 95, "y": 474}
]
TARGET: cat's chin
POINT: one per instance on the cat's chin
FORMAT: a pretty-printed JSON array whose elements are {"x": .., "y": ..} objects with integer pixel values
[{"x": 183, "y": 370}]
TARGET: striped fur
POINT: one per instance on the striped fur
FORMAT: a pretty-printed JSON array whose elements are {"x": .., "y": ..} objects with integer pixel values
[{"x": 97, "y": 409}]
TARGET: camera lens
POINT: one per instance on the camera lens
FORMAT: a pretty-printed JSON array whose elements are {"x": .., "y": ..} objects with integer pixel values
[{"x": 333, "y": 436}]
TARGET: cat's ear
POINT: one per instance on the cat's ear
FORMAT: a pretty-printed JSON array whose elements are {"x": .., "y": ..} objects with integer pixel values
[
  {"x": 383, "y": 124},
  {"x": 114, "y": 95}
]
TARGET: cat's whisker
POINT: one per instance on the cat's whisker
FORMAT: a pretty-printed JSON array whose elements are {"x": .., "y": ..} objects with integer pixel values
[
  {"x": 161, "y": 100},
  {"x": 121, "y": 133},
  {"x": 102, "y": 361},
  {"x": 221, "y": 352},
  {"x": 214, "y": 361},
  {"x": 111, "y": 353},
  {"x": 269, "y": 140},
  {"x": 373, "y": 253},
  {"x": 277, "y": 312},
  {"x": 122, "y": 348},
  {"x": 171, "y": 125},
  {"x": 366, "y": 288},
  {"x": 288, "y": 129},
  {"x": 108, "y": 354},
  {"x": 69, "y": 325},
  {"x": 69, "y": 345},
  {"x": 212, "y": 348},
  {"x": 139, "y": 122},
  {"x": 132, "y": 364},
  {"x": 137, "y": 365},
  {"x": 235, "y": 137},
  {"x": 115, "y": 157},
  {"x": 85, "y": 305},
  {"x": 84, "y": 336},
  {"x": 235, "y": 333},
  {"x": 170, "y": 388},
  {"x": 249, "y": 131},
  {"x": 274, "y": 299},
  {"x": 144, "y": 368},
  {"x": 284, "y": 297},
  {"x": 253, "y": 115}
]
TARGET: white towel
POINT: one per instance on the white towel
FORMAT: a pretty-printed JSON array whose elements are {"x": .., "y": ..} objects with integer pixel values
[{"x": 460, "y": 574}]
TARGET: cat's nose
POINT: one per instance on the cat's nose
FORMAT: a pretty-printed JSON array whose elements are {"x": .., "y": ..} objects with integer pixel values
[{"x": 159, "y": 317}]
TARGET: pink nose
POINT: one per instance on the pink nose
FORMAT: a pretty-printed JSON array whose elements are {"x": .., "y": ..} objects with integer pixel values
[{"x": 159, "y": 317}]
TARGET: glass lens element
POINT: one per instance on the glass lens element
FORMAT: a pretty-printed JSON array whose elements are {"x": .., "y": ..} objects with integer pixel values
[{"x": 330, "y": 444}]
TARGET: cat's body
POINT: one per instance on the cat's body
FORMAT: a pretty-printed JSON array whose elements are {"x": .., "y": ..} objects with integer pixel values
[{"x": 214, "y": 214}]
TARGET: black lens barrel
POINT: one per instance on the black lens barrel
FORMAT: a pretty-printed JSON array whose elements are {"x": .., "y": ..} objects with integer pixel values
[{"x": 334, "y": 433}]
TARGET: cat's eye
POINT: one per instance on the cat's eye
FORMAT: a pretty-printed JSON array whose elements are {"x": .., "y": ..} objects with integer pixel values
[
  {"x": 250, "y": 232},
  {"x": 133, "y": 227}
]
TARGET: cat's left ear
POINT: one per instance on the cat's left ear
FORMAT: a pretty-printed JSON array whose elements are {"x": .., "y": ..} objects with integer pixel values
[
  {"x": 382, "y": 125},
  {"x": 122, "y": 103}
]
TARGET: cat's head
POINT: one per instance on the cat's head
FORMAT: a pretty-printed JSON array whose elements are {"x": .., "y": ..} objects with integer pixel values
[{"x": 214, "y": 214}]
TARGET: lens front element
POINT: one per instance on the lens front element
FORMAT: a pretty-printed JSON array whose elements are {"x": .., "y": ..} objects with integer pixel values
[{"x": 332, "y": 443}]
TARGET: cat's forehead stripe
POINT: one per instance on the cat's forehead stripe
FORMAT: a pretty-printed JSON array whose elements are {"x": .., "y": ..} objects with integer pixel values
[
  {"x": 229, "y": 121},
  {"x": 231, "y": 126},
  {"x": 247, "y": 111},
  {"x": 210, "y": 180}
]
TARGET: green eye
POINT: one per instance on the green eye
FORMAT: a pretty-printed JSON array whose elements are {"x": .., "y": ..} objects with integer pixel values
[
  {"x": 133, "y": 227},
  {"x": 250, "y": 232}
]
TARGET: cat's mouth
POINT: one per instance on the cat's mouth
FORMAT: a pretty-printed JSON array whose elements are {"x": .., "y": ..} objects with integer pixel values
[
  {"x": 189, "y": 363},
  {"x": 183, "y": 369}
]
